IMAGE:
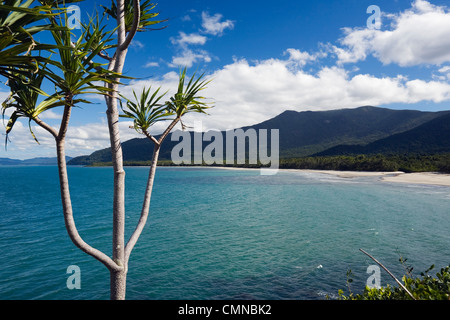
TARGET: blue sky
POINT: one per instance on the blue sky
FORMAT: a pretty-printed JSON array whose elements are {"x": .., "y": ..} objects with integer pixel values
[{"x": 266, "y": 57}]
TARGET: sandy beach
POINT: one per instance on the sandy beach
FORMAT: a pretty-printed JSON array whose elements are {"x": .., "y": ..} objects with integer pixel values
[
  {"x": 429, "y": 178},
  {"x": 426, "y": 178}
]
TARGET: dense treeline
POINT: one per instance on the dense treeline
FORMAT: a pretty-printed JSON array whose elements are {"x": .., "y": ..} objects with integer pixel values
[{"x": 405, "y": 163}]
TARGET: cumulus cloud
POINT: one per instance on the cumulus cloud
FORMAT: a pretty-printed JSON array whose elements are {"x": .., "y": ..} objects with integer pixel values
[
  {"x": 419, "y": 35},
  {"x": 246, "y": 93},
  {"x": 299, "y": 58},
  {"x": 4, "y": 95},
  {"x": 444, "y": 73},
  {"x": 187, "y": 55},
  {"x": 80, "y": 140},
  {"x": 213, "y": 24},
  {"x": 151, "y": 64},
  {"x": 185, "y": 39},
  {"x": 50, "y": 114}
]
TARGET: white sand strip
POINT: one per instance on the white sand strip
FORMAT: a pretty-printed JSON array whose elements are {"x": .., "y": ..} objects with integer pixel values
[{"x": 430, "y": 178}]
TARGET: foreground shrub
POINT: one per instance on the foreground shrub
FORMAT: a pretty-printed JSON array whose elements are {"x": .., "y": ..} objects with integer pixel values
[{"x": 425, "y": 287}]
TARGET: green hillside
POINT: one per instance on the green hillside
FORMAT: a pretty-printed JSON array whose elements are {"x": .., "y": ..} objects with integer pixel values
[
  {"x": 41, "y": 161},
  {"x": 433, "y": 137},
  {"x": 301, "y": 133}
]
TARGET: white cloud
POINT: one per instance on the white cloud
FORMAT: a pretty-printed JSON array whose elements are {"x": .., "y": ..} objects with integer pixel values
[
  {"x": 4, "y": 95},
  {"x": 213, "y": 25},
  {"x": 50, "y": 114},
  {"x": 80, "y": 140},
  {"x": 188, "y": 57},
  {"x": 301, "y": 58},
  {"x": 244, "y": 93},
  {"x": 186, "y": 18},
  {"x": 446, "y": 73},
  {"x": 151, "y": 64},
  {"x": 137, "y": 44},
  {"x": 420, "y": 35},
  {"x": 187, "y": 39}
]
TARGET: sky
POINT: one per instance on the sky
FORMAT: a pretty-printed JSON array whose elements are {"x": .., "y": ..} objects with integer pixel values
[{"x": 267, "y": 57}]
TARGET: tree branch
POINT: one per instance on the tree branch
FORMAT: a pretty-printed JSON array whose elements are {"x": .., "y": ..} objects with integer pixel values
[
  {"x": 145, "y": 206},
  {"x": 47, "y": 127},
  {"x": 134, "y": 27},
  {"x": 152, "y": 138},
  {"x": 148, "y": 192},
  {"x": 65, "y": 193},
  {"x": 65, "y": 118},
  {"x": 396, "y": 280},
  {"x": 105, "y": 56},
  {"x": 169, "y": 128}
]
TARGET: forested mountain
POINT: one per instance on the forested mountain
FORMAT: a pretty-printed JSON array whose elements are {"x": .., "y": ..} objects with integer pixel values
[
  {"x": 313, "y": 132},
  {"x": 42, "y": 161},
  {"x": 432, "y": 137}
]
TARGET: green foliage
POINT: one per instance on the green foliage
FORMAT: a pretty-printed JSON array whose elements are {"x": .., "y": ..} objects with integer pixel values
[
  {"x": 387, "y": 163},
  {"x": 79, "y": 72},
  {"x": 147, "y": 15},
  {"x": 19, "y": 22},
  {"x": 72, "y": 72},
  {"x": 186, "y": 99},
  {"x": 24, "y": 99},
  {"x": 425, "y": 287},
  {"x": 146, "y": 109}
]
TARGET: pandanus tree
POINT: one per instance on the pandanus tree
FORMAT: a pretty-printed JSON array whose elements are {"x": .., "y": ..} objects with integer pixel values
[
  {"x": 19, "y": 22},
  {"x": 145, "y": 111},
  {"x": 70, "y": 65}
]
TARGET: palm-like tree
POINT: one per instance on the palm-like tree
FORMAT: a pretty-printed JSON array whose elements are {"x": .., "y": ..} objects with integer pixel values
[
  {"x": 19, "y": 22},
  {"x": 72, "y": 69},
  {"x": 74, "y": 75},
  {"x": 145, "y": 111}
]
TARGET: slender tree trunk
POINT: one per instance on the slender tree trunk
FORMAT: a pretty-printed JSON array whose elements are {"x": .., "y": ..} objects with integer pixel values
[
  {"x": 118, "y": 278},
  {"x": 145, "y": 206},
  {"x": 148, "y": 191},
  {"x": 68, "y": 212},
  {"x": 118, "y": 281}
]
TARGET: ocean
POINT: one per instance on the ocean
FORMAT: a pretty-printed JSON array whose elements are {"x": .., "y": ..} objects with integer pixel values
[{"x": 221, "y": 234}]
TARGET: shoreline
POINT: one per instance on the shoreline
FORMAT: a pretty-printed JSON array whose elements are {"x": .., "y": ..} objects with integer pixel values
[
  {"x": 426, "y": 178},
  {"x": 422, "y": 178}
]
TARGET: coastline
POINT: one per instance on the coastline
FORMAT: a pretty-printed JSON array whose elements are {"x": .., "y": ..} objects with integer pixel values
[
  {"x": 421, "y": 178},
  {"x": 424, "y": 178},
  {"x": 427, "y": 178}
]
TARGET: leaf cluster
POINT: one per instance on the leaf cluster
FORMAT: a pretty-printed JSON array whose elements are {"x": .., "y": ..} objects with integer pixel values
[
  {"x": 18, "y": 24},
  {"x": 425, "y": 287},
  {"x": 70, "y": 65},
  {"x": 147, "y": 109},
  {"x": 147, "y": 16}
]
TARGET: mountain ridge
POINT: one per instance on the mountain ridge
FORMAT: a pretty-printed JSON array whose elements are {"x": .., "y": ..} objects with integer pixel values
[
  {"x": 304, "y": 133},
  {"x": 419, "y": 140},
  {"x": 38, "y": 161}
]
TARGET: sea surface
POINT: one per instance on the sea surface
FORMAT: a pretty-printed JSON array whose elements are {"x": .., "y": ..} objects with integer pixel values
[{"x": 219, "y": 234}]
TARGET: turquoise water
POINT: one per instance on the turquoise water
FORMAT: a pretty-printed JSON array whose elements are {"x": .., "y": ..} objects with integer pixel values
[{"x": 218, "y": 234}]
